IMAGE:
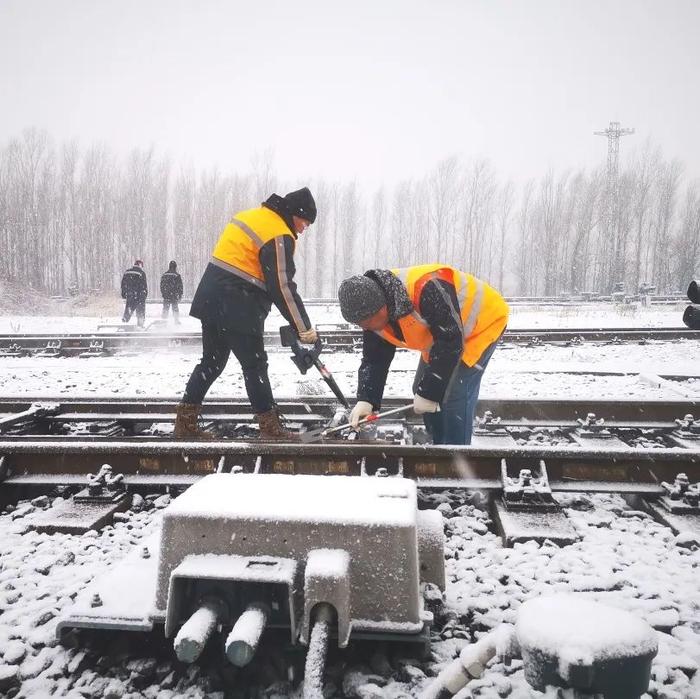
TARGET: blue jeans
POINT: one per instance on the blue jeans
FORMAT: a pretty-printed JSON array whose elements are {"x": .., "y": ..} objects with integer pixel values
[{"x": 455, "y": 421}]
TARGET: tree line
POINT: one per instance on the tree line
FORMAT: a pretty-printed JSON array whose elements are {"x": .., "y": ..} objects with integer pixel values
[{"x": 73, "y": 218}]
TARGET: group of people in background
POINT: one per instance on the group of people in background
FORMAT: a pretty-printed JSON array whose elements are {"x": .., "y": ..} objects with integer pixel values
[
  {"x": 452, "y": 318},
  {"x": 135, "y": 292}
]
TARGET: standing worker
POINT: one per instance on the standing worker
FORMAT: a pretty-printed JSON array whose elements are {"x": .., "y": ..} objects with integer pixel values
[
  {"x": 171, "y": 291},
  {"x": 135, "y": 292},
  {"x": 452, "y": 318},
  {"x": 251, "y": 268}
]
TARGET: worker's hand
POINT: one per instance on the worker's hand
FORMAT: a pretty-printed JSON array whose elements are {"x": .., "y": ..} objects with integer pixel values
[
  {"x": 423, "y": 405},
  {"x": 308, "y": 337},
  {"x": 361, "y": 410}
]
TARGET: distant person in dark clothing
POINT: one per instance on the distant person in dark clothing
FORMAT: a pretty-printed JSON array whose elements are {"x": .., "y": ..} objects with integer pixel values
[
  {"x": 171, "y": 291},
  {"x": 135, "y": 291},
  {"x": 252, "y": 267}
]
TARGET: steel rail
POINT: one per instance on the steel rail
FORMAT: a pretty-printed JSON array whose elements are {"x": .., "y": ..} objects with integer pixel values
[
  {"x": 572, "y": 464},
  {"x": 518, "y": 410}
]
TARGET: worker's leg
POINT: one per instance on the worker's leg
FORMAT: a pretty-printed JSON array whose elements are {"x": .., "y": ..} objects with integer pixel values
[
  {"x": 215, "y": 352},
  {"x": 141, "y": 313},
  {"x": 250, "y": 352},
  {"x": 458, "y": 407}
]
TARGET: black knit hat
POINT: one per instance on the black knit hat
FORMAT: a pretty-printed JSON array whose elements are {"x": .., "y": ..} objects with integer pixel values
[
  {"x": 360, "y": 297},
  {"x": 300, "y": 203}
]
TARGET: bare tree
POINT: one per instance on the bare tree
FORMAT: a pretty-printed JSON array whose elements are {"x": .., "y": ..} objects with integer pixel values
[
  {"x": 686, "y": 247},
  {"x": 443, "y": 188},
  {"x": 526, "y": 282},
  {"x": 665, "y": 196},
  {"x": 72, "y": 216},
  {"x": 505, "y": 208}
]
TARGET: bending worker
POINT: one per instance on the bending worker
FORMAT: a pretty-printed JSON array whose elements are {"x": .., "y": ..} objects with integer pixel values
[
  {"x": 252, "y": 266},
  {"x": 452, "y": 318}
]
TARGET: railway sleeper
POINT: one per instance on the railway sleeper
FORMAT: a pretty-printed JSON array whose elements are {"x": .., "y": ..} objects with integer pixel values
[{"x": 525, "y": 509}]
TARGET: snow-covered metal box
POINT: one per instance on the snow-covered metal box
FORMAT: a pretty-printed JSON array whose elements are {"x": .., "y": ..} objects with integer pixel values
[
  {"x": 368, "y": 530},
  {"x": 277, "y": 548}
]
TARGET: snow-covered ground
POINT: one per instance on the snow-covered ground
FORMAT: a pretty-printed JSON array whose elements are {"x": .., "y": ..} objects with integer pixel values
[
  {"x": 514, "y": 371},
  {"x": 591, "y": 315},
  {"x": 623, "y": 559}
]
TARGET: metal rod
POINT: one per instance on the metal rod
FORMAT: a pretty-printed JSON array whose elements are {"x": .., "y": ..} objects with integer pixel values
[
  {"x": 195, "y": 632},
  {"x": 372, "y": 418}
]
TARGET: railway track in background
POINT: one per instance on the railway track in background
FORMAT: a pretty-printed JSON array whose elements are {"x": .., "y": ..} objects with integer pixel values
[{"x": 334, "y": 338}]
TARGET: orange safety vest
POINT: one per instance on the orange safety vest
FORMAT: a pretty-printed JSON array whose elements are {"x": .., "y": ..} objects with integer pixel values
[
  {"x": 238, "y": 248},
  {"x": 483, "y": 311}
]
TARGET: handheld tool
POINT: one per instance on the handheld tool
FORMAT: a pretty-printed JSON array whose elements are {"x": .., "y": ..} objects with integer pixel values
[
  {"x": 307, "y": 356},
  {"x": 316, "y": 435}
]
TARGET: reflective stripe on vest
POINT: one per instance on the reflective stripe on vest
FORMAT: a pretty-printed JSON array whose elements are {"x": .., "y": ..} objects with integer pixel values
[
  {"x": 248, "y": 231},
  {"x": 238, "y": 249},
  {"x": 239, "y": 273}
]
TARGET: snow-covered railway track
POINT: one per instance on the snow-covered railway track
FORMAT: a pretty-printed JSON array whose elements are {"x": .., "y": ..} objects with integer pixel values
[
  {"x": 519, "y": 519},
  {"x": 37, "y": 413},
  {"x": 99, "y": 344},
  {"x": 584, "y": 445}
]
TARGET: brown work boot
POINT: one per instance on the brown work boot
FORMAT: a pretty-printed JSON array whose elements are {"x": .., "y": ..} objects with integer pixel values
[
  {"x": 186, "y": 426},
  {"x": 271, "y": 427}
]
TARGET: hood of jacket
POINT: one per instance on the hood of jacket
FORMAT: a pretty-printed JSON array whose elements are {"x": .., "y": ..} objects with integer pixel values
[
  {"x": 278, "y": 204},
  {"x": 397, "y": 302}
]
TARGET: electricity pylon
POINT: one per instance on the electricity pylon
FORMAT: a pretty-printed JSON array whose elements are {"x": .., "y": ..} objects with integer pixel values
[{"x": 613, "y": 133}]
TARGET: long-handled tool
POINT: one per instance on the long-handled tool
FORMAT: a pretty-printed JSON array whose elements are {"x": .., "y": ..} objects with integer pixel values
[
  {"x": 305, "y": 357},
  {"x": 316, "y": 435}
]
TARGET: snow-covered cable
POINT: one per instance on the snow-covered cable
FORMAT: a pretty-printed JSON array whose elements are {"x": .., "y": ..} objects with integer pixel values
[
  {"x": 315, "y": 666},
  {"x": 471, "y": 663}
]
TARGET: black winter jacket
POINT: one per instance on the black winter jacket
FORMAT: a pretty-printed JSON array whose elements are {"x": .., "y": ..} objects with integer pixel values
[
  {"x": 233, "y": 303},
  {"x": 171, "y": 286},
  {"x": 134, "y": 285}
]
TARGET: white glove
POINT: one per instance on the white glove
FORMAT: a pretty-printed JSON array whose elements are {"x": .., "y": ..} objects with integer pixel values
[
  {"x": 361, "y": 410},
  {"x": 423, "y": 405},
  {"x": 308, "y": 337}
]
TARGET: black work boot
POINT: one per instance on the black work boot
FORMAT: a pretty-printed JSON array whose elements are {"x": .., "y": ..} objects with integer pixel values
[
  {"x": 186, "y": 427},
  {"x": 271, "y": 427}
]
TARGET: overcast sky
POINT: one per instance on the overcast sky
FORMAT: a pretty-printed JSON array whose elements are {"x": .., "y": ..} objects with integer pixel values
[{"x": 373, "y": 90}]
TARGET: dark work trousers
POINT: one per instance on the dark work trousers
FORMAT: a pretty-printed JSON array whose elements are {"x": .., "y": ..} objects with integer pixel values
[
  {"x": 139, "y": 307},
  {"x": 217, "y": 344},
  {"x": 167, "y": 305},
  {"x": 455, "y": 421}
]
